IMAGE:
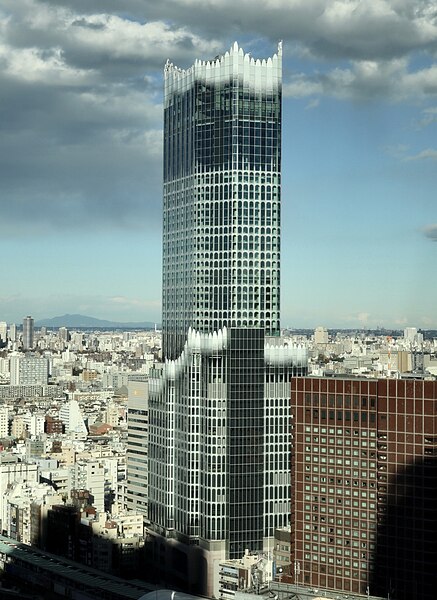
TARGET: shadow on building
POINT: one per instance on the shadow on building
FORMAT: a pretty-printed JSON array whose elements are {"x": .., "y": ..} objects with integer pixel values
[
  {"x": 405, "y": 565},
  {"x": 177, "y": 565},
  {"x": 69, "y": 532}
]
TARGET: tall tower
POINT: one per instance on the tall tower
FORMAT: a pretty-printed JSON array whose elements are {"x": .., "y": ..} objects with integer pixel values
[
  {"x": 28, "y": 333},
  {"x": 219, "y": 406},
  {"x": 222, "y": 189}
]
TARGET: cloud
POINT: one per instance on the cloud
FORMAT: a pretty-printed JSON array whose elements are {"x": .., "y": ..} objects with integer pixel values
[
  {"x": 312, "y": 104},
  {"x": 398, "y": 151},
  {"x": 363, "y": 317},
  {"x": 81, "y": 117},
  {"x": 365, "y": 80},
  {"x": 381, "y": 29},
  {"x": 335, "y": 29},
  {"x": 430, "y": 232},
  {"x": 401, "y": 321},
  {"x": 428, "y": 154},
  {"x": 302, "y": 86},
  {"x": 429, "y": 116},
  {"x": 125, "y": 303},
  {"x": 81, "y": 89}
]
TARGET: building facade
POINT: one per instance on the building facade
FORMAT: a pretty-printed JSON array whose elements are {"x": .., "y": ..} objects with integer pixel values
[
  {"x": 218, "y": 406},
  {"x": 28, "y": 333},
  {"x": 29, "y": 369},
  {"x": 363, "y": 480},
  {"x": 137, "y": 445}
]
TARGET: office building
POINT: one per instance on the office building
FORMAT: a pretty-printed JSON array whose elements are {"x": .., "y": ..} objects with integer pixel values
[
  {"x": 28, "y": 333},
  {"x": 13, "y": 332},
  {"x": 137, "y": 443},
  {"x": 363, "y": 481},
  {"x": 219, "y": 406},
  {"x": 64, "y": 335},
  {"x": 3, "y": 331},
  {"x": 321, "y": 336}
]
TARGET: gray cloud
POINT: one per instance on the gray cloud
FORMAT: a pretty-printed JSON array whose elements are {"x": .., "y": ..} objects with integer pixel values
[
  {"x": 350, "y": 29},
  {"x": 430, "y": 232},
  {"x": 81, "y": 85}
]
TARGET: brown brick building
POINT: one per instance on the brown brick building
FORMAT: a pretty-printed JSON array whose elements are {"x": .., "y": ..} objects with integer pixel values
[{"x": 364, "y": 485}]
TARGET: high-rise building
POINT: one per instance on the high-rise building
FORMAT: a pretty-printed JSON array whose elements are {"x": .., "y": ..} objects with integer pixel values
[
  {"x": 3, "y": 331},
  {"x": 63, "y": 334},
  {"x": 136, "y": 451},
  {"x": 13, "y": 332},
  {"x": 28, "y": 333},
  {"x": 321, "y": 336},
  {"x": 219, "y": 461},
  {"x": 364, "y": 472}
]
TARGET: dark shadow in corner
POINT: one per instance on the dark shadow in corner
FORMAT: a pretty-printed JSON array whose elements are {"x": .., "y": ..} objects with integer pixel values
[{"x": 405, "y": 565}]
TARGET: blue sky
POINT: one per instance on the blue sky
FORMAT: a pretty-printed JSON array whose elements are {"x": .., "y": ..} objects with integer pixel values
[{"x": 80, "y": 153}]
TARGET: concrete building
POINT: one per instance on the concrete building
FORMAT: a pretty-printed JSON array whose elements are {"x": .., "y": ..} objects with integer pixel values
[
  {"x": 4, "y": 421},
  {"x": 412, "y": 337},
  {"x": 89, "y": 475},
  {"x": 29, "y": 369},
  {"x": 363, "y": 478},
  {"x": 219, "y": 408},
  {"x": 3, "y": 331},
  {"x": 137, "y": 446},
  {"x": 282, "y": 552},
  {"x": 237, "y": 578},
  {"x": 12, "y": 472},
  {"x": 321, "y": 336},
  {"x": 71, "y": 416},
  {"x": 12, "y": 332},
  {"x": 63, "y": 335}
]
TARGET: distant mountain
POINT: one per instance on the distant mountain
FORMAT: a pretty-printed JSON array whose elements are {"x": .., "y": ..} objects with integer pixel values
[{"x": 84, "y": 322}]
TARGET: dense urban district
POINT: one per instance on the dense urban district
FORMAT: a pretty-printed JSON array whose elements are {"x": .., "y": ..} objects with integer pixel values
[{"x": 74, "y": 431}]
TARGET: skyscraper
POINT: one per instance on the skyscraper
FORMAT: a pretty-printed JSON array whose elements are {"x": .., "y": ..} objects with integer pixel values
[
  {"x": 28, "y": 333},
  {"x": 219, "y": 406},
  {"x": 3, "y": 331}
]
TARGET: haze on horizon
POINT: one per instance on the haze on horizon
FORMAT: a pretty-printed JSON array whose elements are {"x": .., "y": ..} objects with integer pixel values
[{"x": 81, "y": 152}]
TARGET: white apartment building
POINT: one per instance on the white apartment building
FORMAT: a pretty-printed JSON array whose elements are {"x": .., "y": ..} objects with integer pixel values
[
  {"x": 13, "y": 471},
  {"x": 89, "y": 475},
  {"x": 28, "y": 369}
]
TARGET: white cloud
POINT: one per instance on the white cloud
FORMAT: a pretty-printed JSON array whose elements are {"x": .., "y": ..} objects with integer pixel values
[
  {"x": 312, "y": 104},
  {"x": 430, "y": 231},
  {"x": 120, "y": 38},
  {"x": 367, "y": 79},
  {"x": 34, "y": 65},
  {"x": 398, "y": 151},
  {"x": 301, "y": 86},
  {"x": 363, "y": 317},
  {"x": 401, "y": 321},
  {"x": 126, "y": 303},
  {"x": 428, "y": 154},
  {"x": 429, "y": 117}
]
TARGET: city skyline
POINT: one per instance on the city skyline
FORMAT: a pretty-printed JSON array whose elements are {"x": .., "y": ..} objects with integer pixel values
[{"x": 81, "y": 154}]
